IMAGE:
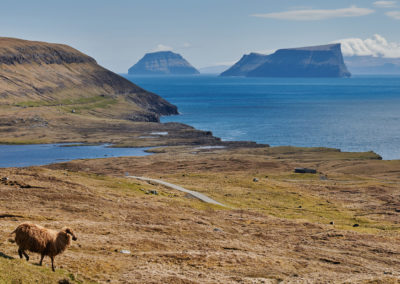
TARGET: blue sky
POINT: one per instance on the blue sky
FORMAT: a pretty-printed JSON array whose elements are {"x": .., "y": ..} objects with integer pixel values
[{"x": 117, "y": 33}]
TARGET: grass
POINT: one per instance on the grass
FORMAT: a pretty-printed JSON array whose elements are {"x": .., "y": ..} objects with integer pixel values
[
  {"x": 65, "y": 102},
  {"x": 20, "y": 271},
  {"x": 76, "y": 105},
  {"x": 279, "y": 198},
  {"x": 23, "y": 141}
]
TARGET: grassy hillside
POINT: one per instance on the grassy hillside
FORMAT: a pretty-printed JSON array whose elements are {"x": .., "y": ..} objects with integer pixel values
[
  {"x": 275, "y": 229},
  {"x": 38, "y": 73}
]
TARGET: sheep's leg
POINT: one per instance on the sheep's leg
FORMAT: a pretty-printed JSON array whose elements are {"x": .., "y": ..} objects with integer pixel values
[
  {"x": 26, "y": 255},
  {"x": 41, "y": 259},
  {"x": 20, "y": 253},
  {"x": 52, "y": 263}
]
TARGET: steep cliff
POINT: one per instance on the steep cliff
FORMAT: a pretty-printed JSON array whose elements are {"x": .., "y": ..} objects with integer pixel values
[
  {"x": 314, "y": 61},
  {"x": 45, "y": 74},
  {"x": 162, "y": 63}
]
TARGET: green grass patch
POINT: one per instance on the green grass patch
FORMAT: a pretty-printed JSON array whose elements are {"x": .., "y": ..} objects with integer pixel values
[
  {"x": 70, "y": 104},
  {"x": 21, "y": 271},
  {"x": 279, "y": 199},
  {"x": 24, "y": 141}
]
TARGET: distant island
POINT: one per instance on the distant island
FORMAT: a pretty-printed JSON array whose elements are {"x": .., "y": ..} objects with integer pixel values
[
  {"x": 313, "y": 61},
  {"x": 370, "y": 65},
  {"x": 163, "y": 63}
]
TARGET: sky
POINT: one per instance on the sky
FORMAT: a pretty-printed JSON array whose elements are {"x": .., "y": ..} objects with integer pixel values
[{"x": 117, "y": 33}]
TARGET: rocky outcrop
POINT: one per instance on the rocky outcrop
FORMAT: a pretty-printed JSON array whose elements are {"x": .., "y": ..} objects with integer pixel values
[
  {"x": 162, "y": 63},
  {"x": 41, "y": 73},
  {"x": 314, "y": 61}
]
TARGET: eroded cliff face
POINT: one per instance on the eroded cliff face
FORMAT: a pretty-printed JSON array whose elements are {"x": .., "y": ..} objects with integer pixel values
[
  {"x": 162, "y": 63},
  {"x": 38, "y": 73},
  {"x": 314, "y": 61}
]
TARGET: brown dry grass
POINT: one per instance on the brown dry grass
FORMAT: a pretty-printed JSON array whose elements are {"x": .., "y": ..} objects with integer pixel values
[{"x": 263, "y": 237}]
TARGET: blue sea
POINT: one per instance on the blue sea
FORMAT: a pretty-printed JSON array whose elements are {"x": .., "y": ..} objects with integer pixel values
[
  {"x": 43, "y": 154},
  {"x": 361, "y": 113}
]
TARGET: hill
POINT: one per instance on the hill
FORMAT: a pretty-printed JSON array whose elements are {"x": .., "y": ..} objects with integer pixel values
[
  {"x": 34, "y": 73},
  {"x": 162, "y": 63}
]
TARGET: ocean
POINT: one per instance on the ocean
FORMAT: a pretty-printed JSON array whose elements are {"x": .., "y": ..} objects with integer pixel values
[{"x": 355, "y": 114}]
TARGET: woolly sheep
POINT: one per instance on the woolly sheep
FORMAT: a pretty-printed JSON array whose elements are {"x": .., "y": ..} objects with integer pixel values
[{"x": 35, "y": 238}]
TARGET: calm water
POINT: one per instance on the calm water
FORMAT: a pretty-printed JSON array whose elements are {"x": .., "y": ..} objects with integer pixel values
[
  {"x": 43, "y": 154},
  {"x": 355, "y": 114}
]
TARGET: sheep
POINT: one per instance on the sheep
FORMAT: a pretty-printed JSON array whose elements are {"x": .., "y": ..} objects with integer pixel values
[{"x": 35, "y": 238}]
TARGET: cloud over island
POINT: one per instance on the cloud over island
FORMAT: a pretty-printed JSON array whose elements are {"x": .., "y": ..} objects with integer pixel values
[
  {"x": 376, "y": 46},
  {"x": 317, "y": 14}
]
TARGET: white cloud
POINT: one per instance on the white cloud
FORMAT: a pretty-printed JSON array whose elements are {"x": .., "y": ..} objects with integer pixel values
[
  {"x": 376, "y": 46},
  {"x": 393, "y": 14},
  {"x": 315, "y": 15},
  {"x": 162, "y": 47},
  {"x": 385, "y": 4}
]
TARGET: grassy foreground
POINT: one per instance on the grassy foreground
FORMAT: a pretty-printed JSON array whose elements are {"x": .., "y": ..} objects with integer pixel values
[{"x": 277, "y": 226}]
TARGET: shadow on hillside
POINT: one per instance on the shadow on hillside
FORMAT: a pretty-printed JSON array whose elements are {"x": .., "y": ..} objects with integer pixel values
[{"x": 5, "y": 256}]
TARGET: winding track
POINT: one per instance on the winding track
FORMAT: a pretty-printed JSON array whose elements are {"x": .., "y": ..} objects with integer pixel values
[{"x": 195, "y": 194}]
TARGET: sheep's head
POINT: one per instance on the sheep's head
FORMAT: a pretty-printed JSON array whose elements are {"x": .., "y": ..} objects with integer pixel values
[{"x": 68, "y": 231}]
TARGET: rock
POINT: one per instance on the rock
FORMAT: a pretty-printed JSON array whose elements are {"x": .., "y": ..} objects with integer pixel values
[
  {"x": 4, "y": 179},
  {"x": 162, "y": 63},
  {"x": 152, "y": 192},
  {"x": 323, "y": 178},
  {"x": 125, "y": 251},
  {"x": 255, "y": 179},
  {"x": 356, "y": 225},
  {"x": 64, "y": 281},
  {"x": 217, "y": 230},
  {"x": 397, "y": 209},
  {"x": 331, "y": 223},
  {"x": 305, "y": 171}
]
